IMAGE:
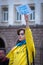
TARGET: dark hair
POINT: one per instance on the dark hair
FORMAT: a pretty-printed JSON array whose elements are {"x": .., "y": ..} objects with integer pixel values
[
  {"x": 3, "y": 50},
  {"x": 18, "y": 31}
]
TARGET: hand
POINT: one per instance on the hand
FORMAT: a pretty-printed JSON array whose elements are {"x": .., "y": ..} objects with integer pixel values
[{"x": 26, "y": 18}]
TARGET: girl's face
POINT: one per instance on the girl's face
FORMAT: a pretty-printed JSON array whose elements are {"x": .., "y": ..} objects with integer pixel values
[{"x": 21, "y": 35}]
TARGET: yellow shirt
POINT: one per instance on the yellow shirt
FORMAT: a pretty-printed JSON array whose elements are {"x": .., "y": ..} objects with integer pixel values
[{"x": 18, "y": 54}]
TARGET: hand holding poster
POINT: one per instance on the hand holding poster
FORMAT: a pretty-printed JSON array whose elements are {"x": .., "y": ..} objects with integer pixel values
[{"x": 23, "y": 9}]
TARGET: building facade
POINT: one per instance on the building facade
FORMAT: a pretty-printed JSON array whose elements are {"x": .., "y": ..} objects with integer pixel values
[
  {"x": 11, "y": 20},
  {"x": 9, "y": 15}
]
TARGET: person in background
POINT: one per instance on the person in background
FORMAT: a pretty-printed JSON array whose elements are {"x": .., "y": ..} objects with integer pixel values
[
  {"x": 23, "y": 53},
  {"x": 3, "y": 59}
]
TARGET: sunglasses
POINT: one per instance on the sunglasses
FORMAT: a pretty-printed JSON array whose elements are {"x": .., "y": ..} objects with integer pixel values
[{"x": 21, "y": 34}]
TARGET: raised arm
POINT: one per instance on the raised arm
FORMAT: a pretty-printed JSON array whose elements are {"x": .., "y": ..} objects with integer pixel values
[
  {"x": 27, "y": 20},
  {"x": 29, "y": 40}
]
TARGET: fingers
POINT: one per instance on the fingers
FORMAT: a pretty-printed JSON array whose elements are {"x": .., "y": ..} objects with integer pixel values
[{"x": 26, "y": 17}]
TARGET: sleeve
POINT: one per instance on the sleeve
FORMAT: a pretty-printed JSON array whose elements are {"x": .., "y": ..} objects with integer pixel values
[
  {"x": 7, "y": 62},
  {"x": 29, "y": 43},
  {"x": 10, "y": 55}
]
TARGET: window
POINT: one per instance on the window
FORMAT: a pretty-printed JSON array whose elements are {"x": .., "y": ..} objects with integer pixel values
[
  {"x": 18, "y": 16},
  {"x": 5, "y": 14},
  {"x": 32, "y": 15},
  {"x": 42, "y": 12}
]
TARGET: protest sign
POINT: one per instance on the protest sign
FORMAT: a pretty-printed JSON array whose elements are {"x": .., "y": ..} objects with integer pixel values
[{"x": 24, "y": 9}]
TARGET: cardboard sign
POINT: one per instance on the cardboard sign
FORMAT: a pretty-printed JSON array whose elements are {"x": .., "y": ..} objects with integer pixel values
[{"x": 23, "y": 9}]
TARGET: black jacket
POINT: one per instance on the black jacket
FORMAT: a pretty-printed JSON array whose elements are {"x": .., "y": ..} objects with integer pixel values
[{"x": 4, "y": 61}]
